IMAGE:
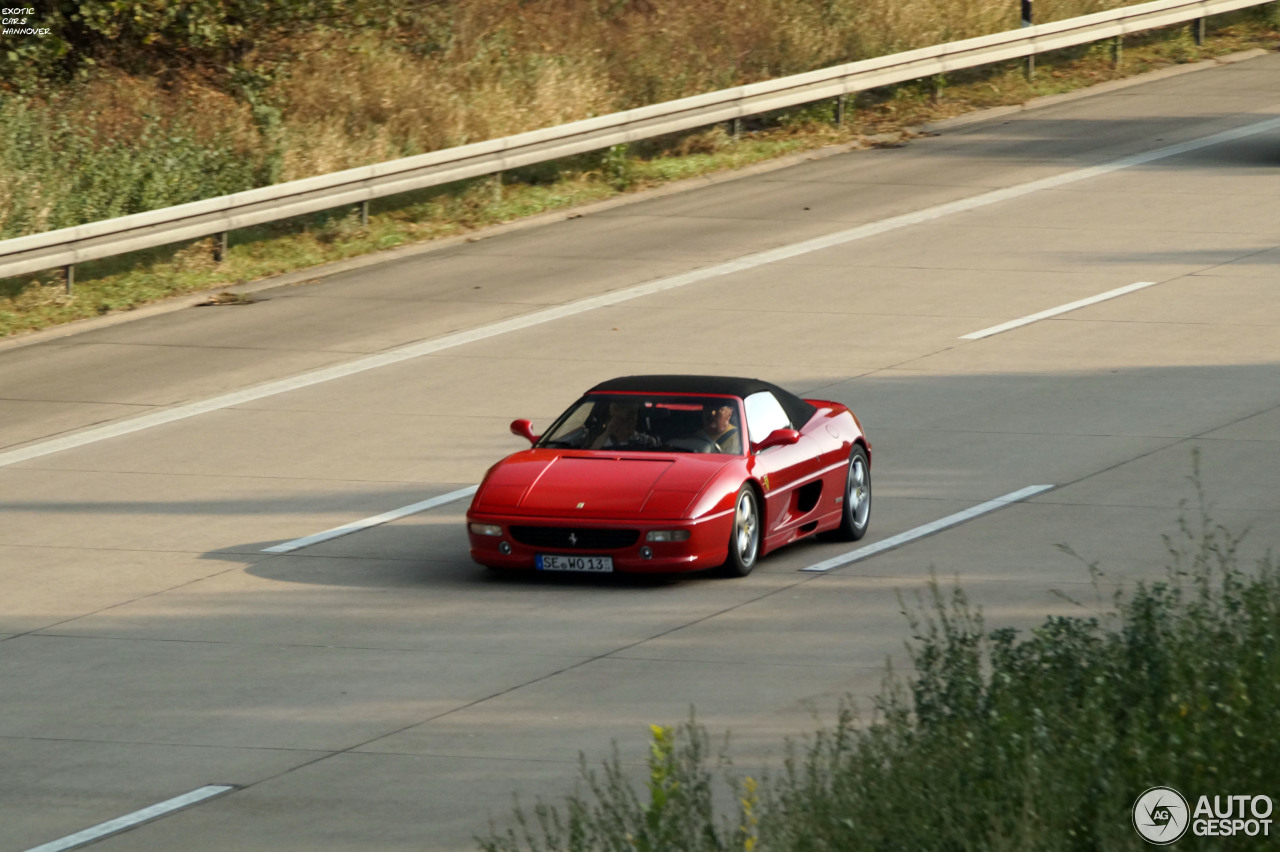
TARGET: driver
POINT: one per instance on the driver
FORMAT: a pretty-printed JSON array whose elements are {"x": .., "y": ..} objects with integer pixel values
[
  {"x": 718, "y": 428},
  {"x": 621, "y": 431}
]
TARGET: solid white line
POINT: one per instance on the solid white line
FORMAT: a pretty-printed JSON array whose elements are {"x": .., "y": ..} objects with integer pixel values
[
  {"x": 1053, "y": 312},
  {"x": 428, "y": 347},
  {"x": 97, "y": 832},
  {"x": 385, "y": 517},
  {"x": 928, "y": 529}
]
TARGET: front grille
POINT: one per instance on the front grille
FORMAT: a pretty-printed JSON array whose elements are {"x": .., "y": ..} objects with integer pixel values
[{"x": 575, "y": 538}]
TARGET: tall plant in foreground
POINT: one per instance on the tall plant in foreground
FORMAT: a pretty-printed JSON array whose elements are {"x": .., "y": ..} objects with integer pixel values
[{"x": 996, "y": 741}]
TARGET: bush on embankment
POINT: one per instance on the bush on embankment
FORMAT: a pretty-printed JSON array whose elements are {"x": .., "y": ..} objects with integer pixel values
[{"x": 996, "y": 742}]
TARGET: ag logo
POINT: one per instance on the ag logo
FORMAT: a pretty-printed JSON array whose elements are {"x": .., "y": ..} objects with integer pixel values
[{"x": 1161, "y": 815}]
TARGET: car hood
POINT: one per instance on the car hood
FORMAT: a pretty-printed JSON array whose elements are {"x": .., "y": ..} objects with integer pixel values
[{"x": 596, "y": 485}]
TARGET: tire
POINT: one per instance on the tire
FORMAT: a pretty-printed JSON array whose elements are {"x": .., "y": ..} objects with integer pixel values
[
  {"x": 856, "y": 516},
  {"x": 744, "y": 535}
]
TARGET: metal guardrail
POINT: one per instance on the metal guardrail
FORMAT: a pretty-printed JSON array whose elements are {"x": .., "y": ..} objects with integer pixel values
[{"x": 216, "y": 216}]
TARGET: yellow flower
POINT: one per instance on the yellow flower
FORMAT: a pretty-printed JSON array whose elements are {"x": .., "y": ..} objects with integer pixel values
[{"x": 749, "y": 818}]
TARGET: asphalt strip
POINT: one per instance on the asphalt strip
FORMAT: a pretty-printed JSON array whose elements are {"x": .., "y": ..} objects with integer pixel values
[{"x": 751, "y": 261}]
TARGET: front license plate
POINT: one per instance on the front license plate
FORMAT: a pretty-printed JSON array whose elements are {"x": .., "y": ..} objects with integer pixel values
[{"x": 590, "y": 564}]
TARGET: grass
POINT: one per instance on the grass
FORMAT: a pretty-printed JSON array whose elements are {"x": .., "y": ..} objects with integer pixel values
[
  {"x": 996, "y": 741},
  {"x": 96, "y": 175}
]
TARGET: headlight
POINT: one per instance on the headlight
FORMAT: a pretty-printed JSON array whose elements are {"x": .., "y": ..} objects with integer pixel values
[
  {"x": 485, "y": 529},
  {"x": 668, "y": 535}
]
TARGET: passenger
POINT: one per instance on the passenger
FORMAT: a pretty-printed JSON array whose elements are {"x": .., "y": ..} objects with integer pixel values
[
  {"x": 718, "y": 427},
  {"x": 620, "y": 430}
]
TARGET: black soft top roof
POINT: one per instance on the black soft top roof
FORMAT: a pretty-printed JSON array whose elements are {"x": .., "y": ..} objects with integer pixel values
[{"x": 797, "y": 409}]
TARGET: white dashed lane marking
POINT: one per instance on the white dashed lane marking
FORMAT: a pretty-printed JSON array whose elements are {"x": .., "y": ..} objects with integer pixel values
[
  {"x": 128, "y": 821},
  {"x": 1053, "y": 312},
  {"x": 928, "y": 529},
  {"x": 385, "y": 517}
]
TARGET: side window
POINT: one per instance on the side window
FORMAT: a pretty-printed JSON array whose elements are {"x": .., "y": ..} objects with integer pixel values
[{"x": 764, "y": 414}]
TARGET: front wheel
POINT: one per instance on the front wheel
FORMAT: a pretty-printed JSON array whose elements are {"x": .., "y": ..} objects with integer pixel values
[
  {"x": 744, "y": 537},
  {"x": 857, "y": 496}
]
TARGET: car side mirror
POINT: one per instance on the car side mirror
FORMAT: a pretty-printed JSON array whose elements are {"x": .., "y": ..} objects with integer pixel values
[
  {"x": 524, "y": 428},
  {"x": 776, "y": 438}
]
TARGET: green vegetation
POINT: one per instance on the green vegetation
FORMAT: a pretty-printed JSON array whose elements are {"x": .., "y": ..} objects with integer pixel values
[
  {"x": 996, "y": 742},
  {"x": 249, "y": 93},
  {"x": 131, "y": 105}
]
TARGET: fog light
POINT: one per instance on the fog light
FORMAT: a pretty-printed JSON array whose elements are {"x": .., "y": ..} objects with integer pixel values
[
  {"x": 646, "y": 553},
  {"x": 504, "y": 548},
  {"x": 485, "y": 529},
  {"x": 668, "y": 535}
]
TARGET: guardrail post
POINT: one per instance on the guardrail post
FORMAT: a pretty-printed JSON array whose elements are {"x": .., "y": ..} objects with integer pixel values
[
  {"x": 1028, "y": 17},
  {"x": 735, "y": 128},
  {"x": 220, "y": 248},
  {"x": 1117, "y": 51},
  {"x": 841, "y": 104},
  {"x": 364, "y": 214},
  {"x": 69, "y": 276},
  {"x": 1197, "y": 31}
]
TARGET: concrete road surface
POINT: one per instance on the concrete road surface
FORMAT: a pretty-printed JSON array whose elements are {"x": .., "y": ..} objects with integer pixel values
[{"x": 379, "y": 691}]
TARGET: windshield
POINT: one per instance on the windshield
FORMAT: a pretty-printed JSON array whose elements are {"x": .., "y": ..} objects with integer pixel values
[{"x": 643, "y": 423}]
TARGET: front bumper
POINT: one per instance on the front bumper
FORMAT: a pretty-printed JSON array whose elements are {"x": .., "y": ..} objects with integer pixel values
[{"x": 707, "y": 545}]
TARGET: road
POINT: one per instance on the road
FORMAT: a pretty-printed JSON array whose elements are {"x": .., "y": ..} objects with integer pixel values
[{"x": 379, "y": 691}]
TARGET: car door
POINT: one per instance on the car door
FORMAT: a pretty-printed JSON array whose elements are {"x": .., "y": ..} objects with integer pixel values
[{"x": 783, "y": 472}]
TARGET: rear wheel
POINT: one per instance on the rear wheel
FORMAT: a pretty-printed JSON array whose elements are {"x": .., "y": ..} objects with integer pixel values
[
  {"x": 744, "y": 537},
  {"x": 857, "y": 496}
]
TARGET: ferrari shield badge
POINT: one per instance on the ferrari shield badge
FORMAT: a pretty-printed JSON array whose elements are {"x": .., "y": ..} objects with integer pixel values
[{"x": 764, "y": 482}]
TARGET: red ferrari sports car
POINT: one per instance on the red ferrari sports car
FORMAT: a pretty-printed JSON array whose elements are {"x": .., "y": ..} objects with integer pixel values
[{"x": 674, "y": 473}]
